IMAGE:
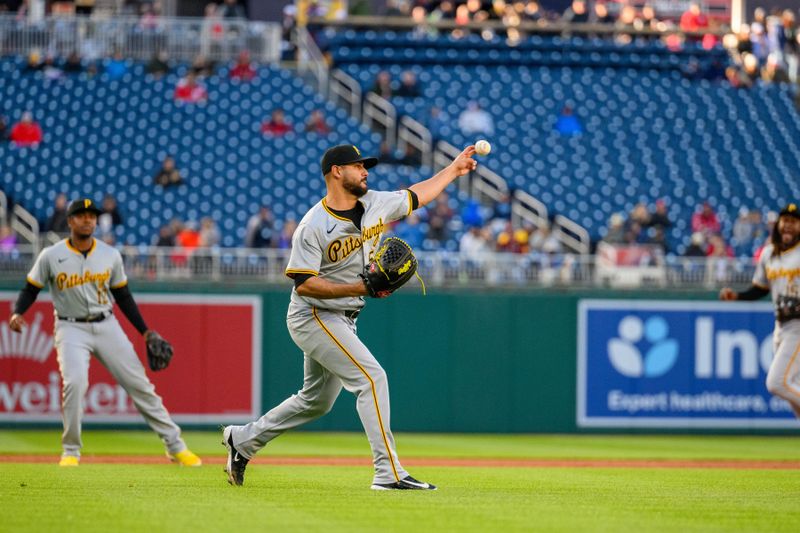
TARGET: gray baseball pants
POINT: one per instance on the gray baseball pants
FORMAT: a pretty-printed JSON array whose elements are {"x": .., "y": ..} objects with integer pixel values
[
  {"x": 783, "y": 378},
  {"x": 334, "y": 357},
  {"x": 109, "y": 344}
]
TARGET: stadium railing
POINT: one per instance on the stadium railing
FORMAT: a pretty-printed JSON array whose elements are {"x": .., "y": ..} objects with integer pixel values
[
  {"x": 182, "y": 38},
  {"x": 438, "y": 269}
]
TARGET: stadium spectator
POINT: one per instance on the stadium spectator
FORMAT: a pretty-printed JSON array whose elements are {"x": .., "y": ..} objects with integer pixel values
[
  {"x": 383, "y": 85},
  {"x": 693, "y": 19},
  {"x": 260, "y": 231},
  {"x": 545, "y": 241},
  {"x": 50, "y": 69},
  {"x": 439, "y": 216},
  {"x": 209, "y": 233},
  {"x": 475, "y": 121},
  {"x": 231, "y": 9},
  {"x": 659, "y": 218},
  {"x": 773, "y": 72},
  {"x": 475, "y": 243},
  {"x": 316, "y": 123},
  {"x": 567, "y": 123},
  {"x": 166, "y": 238},
  {"x": 189, "y": 91},
  {"x": 285, "y": 235},
  {"x": 73, "y": 64},
  {"x": 601, "y": 13},
  {"x": 697, "y": 246},
  {"x": 386, "y": 154},
  {"x": 717, "y": 247},
  {"x": 409, "y": 86},
  {"x": 212, "y": 31},
  {"x": 168, "y": 175},
  {"x": 34, "y": 61},
  {"x": 616, "y": 230},
  {"x": 706, "y": 221},
  {"x": 747, "y": 228},
  {"x": 576, "y": 13},
  {"x": 57, "y": 222},
  {"x": 116, "y": 67},
  {"x": 243, "y": 70},
  {"x": 188, "y": 238},
  {"x": 737, "y": 78},
  {"x": 26, "y": 132},
  {"x": 276, "y": 125},
  {"x": 639, "y": 215},
  {"x": 790, "y": 44},
  {"x": 110, "y": 212},
  {"x": 471, "y": 214},
  {"x": 159, "y": 64},
  {"x": 410, "y": 156},
  {"x": 149, "y": 17}
]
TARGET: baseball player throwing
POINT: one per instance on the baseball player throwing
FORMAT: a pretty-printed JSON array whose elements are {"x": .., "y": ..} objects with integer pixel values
[
  {"x": 81, "y": 272},
  {"x": 778, "y": 271},
  {"x": 330, "y": 247}
]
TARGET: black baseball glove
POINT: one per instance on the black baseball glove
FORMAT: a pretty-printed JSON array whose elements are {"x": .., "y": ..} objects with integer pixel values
[
  {"x": 159, "y": 351},
  {"x": 392, "y": 265}
]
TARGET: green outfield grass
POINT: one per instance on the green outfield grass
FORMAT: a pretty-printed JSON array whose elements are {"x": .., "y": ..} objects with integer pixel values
[{"x": 155, "y": 497}]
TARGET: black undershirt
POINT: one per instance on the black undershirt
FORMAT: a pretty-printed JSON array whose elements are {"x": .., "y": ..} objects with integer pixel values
[
  {"x": 753, "y": 293},
  {"x": 354, "y": 215}
]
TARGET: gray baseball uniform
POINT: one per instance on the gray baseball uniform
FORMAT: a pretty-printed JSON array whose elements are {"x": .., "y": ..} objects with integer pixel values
[
  {"x": 80, "y": 288},
  {"x": 333, "y": 248},
  {"x": 780, "y": 273}
]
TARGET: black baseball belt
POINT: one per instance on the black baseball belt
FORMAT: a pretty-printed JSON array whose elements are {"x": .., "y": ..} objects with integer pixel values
[{"x": 90, "y": 318}]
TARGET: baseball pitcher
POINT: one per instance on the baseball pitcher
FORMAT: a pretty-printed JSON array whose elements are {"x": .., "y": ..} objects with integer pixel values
[{"x": 337, "y": 259}]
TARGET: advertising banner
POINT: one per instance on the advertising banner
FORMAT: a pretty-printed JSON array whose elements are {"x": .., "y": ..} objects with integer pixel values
[
  {"x": 676, "y": 364},
  {"x": 214, "y": 377}
]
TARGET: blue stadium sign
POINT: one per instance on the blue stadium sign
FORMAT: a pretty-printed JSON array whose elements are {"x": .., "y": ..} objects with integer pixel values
[{"x": 676, "y": 364}]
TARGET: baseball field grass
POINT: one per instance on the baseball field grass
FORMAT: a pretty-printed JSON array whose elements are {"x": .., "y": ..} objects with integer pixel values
[{"x": 308, "y": 481}]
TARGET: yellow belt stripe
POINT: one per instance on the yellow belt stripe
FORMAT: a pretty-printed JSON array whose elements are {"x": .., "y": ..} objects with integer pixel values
[
  {"x": 372, "y": 385},
  {"x": 786, "y": 372}
]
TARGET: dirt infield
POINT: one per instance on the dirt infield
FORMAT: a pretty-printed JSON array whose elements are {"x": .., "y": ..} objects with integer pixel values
[{"x": 438, "y": 462}]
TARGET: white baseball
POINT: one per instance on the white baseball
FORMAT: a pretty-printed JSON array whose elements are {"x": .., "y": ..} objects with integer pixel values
[{"x": 483, "y": 147}]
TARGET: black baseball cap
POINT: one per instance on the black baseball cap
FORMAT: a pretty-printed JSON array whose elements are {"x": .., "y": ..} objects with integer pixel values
[
  {"x": 84, "y": 204},
  {"x": 790, "y": 210},
  {"x": 345, "y": 154}
]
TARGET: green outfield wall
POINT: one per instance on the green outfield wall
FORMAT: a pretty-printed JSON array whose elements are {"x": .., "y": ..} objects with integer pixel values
[{"x": 457, "y": 361}]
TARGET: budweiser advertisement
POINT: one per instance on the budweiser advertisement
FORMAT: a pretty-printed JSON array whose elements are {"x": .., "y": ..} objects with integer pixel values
[{"x": 215, "y": 376}]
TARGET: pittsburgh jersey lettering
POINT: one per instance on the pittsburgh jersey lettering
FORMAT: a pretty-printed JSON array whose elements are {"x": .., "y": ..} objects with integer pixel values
[
  {"x": 342, "y": 248},
  {"x": 68, "y": 281}
]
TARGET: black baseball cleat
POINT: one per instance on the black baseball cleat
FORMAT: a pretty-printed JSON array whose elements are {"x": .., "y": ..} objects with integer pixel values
[
  {"x": 407, "y": 483},
  {"x": 236, "y": 461}
]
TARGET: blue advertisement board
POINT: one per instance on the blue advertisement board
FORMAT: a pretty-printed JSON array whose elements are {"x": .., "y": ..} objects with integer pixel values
[{"x": 675, "y": 364}]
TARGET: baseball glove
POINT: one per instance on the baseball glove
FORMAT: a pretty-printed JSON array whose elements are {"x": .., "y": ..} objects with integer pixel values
[
  {"x": 159, "y": 351},
  {"x": 392, "y": 265}
]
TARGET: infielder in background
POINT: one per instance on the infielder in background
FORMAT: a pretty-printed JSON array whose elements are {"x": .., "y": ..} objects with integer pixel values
[
  {"x": 778, "y": 271},
  {"x": 330, "y": 247},
  {"x": 80, "y": 272}
]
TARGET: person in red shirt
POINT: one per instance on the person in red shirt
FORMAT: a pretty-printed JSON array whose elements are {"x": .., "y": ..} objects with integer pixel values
[
  {"x": 189, "y": 91},
  {"x": 316, "y": 123},
  {"x": 26, "y": 132},
  {"x": 243, "y": 70},
  {"x": 693, "y": 19},
  {"x": 276, "y": 125},
  {"x": 706, "y": 221}
]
